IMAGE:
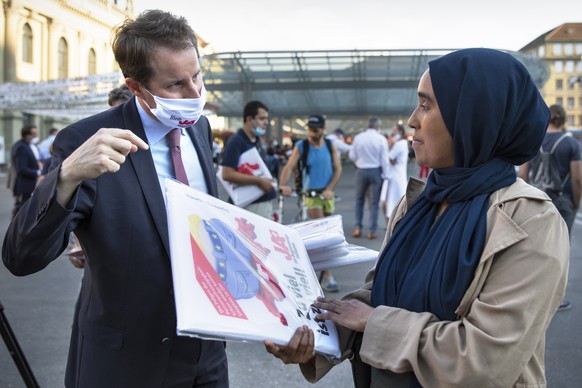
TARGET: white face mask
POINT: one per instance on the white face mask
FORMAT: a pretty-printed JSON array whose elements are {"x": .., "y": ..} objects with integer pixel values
[
  {"x": 178, "y": 112},
  {"x": 35, "y": 140},
  {"x": 396, "y": 137}
]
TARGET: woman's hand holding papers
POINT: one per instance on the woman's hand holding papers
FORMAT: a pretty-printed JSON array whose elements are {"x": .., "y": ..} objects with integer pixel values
[{"x": 352, "y": 314}]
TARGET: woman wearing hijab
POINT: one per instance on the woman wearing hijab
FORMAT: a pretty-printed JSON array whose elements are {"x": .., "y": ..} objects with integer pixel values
[{"x": 474, "y": 265}]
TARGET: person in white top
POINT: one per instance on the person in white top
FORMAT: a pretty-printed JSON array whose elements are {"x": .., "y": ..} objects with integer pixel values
[
  {"x": 337, "y": 139},
  {"x": 394, "y": 185},
  {"x": 44, "y": 146},
  {"x": 370, "y": 154}
]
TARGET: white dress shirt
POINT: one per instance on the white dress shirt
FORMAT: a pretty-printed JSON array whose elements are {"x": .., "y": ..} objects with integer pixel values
[{"x": 370, "y": 150}]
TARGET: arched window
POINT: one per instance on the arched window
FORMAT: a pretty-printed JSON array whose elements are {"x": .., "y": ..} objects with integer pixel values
[
  {"x": 92, "y": 65},
  {"x": 26, "y": 43},
  {"x": 63, "y": 58}
]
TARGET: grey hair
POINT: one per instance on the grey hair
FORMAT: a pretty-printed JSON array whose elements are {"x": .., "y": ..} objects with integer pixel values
[{"x": 374, "y": 122}]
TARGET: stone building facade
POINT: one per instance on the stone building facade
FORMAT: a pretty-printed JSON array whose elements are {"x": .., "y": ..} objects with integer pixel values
[
  {"x": 561, "y": 49},
  {"x": 46, "y": 40}
]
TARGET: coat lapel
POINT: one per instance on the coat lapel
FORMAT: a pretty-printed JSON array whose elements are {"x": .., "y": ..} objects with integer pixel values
[
  {"x": 200, "y": 134},
  {"x": 145, "y": 170}
]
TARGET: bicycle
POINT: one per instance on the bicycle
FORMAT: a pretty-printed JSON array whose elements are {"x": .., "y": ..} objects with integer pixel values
[{"x": 301, "y": 207}]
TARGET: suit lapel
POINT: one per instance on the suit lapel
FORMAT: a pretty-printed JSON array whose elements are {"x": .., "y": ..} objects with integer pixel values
[
  {"x": 199, "y": 134},
  {"x": 145, "y": 170}
]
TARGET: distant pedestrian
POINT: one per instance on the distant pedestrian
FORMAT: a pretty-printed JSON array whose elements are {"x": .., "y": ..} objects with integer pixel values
[
  {"x": 118, "y": 96},
  {"x": 394, "y": 185},
  {"x": 319, "y": 176},
  {"x": 273, "y": 162},
  {"x": 370, "y": 154},
  {"x": 255, "y": 121},
  {"x": 566, "y": 154},
  {"x": 338, "y": 140},
  {"x": 27, "y": 167},
  {"x": 44, "y": 146}
]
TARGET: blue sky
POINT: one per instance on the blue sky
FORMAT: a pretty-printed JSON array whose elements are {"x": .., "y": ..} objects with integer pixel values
[{"x": 233, "y": 25}]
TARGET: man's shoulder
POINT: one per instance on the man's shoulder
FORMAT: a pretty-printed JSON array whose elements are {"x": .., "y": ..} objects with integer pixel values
[
  {"x": 358, "y": 137},
  {"x": 571, "y": 141},
  {"x": 101, "y": 119},
  {"x": 85, "y": 128},
  {"x": 202, "y": 124},
  {"x": 569, "y": 147},
  {"x": 236, "y": 140},
  {"x": 18, "y": 144}
]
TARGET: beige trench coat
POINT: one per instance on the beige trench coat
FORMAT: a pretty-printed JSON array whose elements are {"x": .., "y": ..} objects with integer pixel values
[{"x": 498, "y": 339}]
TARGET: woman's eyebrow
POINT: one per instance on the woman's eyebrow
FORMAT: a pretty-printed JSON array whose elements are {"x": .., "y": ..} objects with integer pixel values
[{"x": 425, "y": 95}]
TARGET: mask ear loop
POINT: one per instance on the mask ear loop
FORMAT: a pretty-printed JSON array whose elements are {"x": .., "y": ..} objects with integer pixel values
[{"x": 150, "y": 93}]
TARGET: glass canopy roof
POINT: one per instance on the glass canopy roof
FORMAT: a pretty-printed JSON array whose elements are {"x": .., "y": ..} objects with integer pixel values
[{"x": 338, "y": 83}]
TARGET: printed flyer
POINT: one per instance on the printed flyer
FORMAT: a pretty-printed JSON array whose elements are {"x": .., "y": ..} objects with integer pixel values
[
  {"x": 239, "y": 276},
  {"x": 250, "y": 163}
]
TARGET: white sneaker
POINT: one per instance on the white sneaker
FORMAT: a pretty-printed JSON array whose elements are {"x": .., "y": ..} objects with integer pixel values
[{"x": 329, "y": 284}]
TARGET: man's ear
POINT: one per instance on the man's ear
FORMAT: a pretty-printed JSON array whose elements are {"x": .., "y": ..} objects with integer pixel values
[{"x": 134, "y": 87}]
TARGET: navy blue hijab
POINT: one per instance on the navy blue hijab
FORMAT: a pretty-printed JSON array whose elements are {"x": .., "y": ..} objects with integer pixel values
[{"x": 497, "y": 119}]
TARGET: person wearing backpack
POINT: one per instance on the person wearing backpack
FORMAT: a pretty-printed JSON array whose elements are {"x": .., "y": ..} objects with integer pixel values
[
  {"x": 557, "y": 170},
  {"x": 322, "y": 170}
]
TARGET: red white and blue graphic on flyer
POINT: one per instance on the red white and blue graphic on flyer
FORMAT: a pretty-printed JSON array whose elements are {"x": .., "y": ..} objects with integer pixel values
[{"x": 239, "y": 276}]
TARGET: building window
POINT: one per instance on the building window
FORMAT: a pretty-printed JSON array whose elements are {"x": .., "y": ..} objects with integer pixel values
[
  {"x": 27, "y": 43},
  {"x": 580, "y": 102},
  {"x": 580, "y": 120},
  {"x": 557, "y": 49},
  {"x": 63, "y": 58},
  {"x": 570, "y": 102},
  {"x": 570, "y": 120},
  {"x": 92, "y": 66},
  {"x": 569, "y": 66},
  {"x": 578, "y": 48},
  {"x": 559, "y": 101},
  {"x": 559, "y": 84},
  {"x": 579, "y": 67},
  {"x": 568, "y": 49},
  {"x": 27, "y": 119},
  {"x": 542, "y": 51},
  {"x": 558, "y": 66}
]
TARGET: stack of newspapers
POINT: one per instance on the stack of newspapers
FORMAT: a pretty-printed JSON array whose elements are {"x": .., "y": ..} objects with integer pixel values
[
  {"x": 326, "y": 244},
  {"x": 239, "y": 276}
]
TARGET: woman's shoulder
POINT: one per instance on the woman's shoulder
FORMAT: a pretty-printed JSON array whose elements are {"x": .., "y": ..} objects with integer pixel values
[
  {"x": 522, "y": 202},
  {"x": 518, "y": 190}
]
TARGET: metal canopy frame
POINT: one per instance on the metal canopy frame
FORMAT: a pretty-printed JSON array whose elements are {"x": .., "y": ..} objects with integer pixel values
[{"x": 342, "y": 83}]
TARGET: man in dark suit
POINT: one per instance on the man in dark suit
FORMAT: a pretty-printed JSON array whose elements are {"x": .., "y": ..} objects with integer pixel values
[
  {"x": 26, "y": 168},
  {"x": 106, "y": 184}
]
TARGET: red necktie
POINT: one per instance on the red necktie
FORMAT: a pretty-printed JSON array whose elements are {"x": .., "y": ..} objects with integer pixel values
[{"x": 174, "y": 141}]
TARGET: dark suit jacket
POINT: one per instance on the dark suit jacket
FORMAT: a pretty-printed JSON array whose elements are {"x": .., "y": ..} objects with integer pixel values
[
  {"x": 125, "y": 319},
  {"x": 26, "y": 165}
]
